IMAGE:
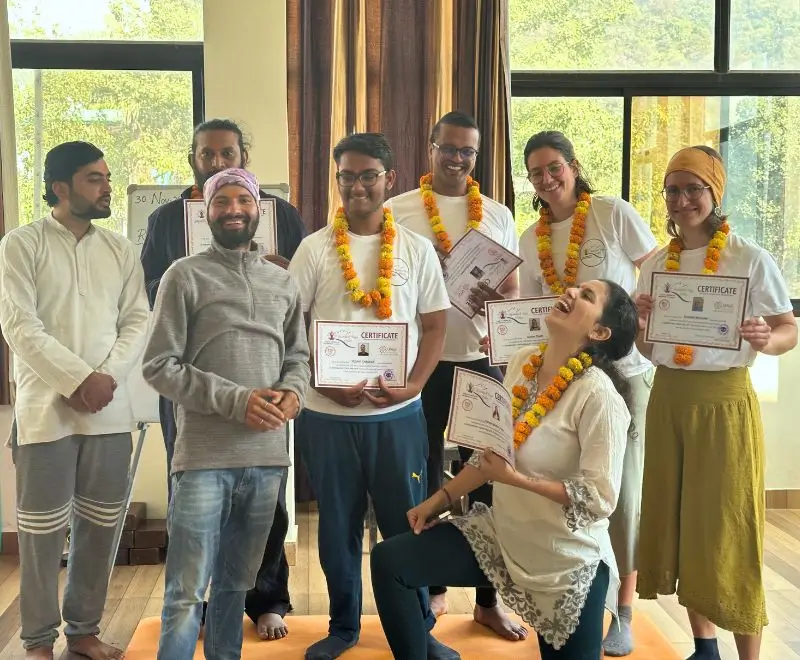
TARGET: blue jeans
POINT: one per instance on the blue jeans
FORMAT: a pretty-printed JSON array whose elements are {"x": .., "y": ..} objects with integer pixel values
[{"x": 218, "y": 524}]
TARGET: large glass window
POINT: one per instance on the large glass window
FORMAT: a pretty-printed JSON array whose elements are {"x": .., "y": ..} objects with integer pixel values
[
  {"x": 765, "y": 35},
  {"x": 594, "y": 126},
  {"x": 142, "y": 120},
  {"x": 761, "y": 149},
  {"x": 121, "y": 20},
  {"x": 612, "y": 35}
]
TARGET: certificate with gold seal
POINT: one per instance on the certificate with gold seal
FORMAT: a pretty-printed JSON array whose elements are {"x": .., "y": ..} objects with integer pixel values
[
  {"x": 347, "y": 353},
  {"x": 697, "y": 310}
]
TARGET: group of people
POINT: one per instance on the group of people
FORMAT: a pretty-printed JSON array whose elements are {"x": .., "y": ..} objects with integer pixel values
[{"x": 587, "y": 515}]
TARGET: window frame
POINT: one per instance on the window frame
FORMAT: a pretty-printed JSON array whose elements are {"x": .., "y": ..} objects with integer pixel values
[
  {"x": 116, "y": 56},
  {"x": 721, "y": 82}
]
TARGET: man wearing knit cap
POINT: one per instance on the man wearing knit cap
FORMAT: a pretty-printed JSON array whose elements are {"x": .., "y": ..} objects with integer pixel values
[
  {"x": 74, "y": 313},
  {"x": 228, "y": 346}
]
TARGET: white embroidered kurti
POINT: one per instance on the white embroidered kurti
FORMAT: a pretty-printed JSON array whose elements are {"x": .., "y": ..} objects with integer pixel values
[{"x": 542, "y": 557}]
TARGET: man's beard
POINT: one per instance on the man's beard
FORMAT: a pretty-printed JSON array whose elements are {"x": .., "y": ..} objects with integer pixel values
[
  {"x": 85, "y": 211},
  {"x": 233, "y": 239}
]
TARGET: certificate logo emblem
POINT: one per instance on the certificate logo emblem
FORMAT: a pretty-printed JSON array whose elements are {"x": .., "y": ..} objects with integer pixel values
[
  {"x": 330, "y": 351},
  {"x": 467, "y": 405},
  {"x": 663, "y": 304},
  {"x": 388, "y": 374},
  {"x": 501, "y": 330},
  {"x": 723, "y": 329}
]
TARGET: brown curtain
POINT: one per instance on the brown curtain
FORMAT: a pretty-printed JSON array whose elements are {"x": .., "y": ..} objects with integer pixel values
[{"x": 393, "y": 66}]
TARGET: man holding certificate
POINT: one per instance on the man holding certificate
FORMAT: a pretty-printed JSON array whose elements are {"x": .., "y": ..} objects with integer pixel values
[
  {"x": 375, "y": 302},
  {"x": 719, "y": 300},
  {"x": 446, "y": 206}
]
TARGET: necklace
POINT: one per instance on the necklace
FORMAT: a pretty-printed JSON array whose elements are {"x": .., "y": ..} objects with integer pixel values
[
  {"x": 684, "y": 355},
  {"x": 381, "y": 295},
  {"x": 546, "y": 401},
  {"x": 474, "y": 209},
  {"x": 544, "y": 231}
]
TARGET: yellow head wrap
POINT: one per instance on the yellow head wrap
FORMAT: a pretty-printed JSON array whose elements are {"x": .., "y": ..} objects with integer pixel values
[{"x": 702, "y": 165}]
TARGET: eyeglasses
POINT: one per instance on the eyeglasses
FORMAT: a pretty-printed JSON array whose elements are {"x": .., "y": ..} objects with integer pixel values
[
  {"x": 693, "y": 192},
  {"x": 553, "y": 169},
  {"x": 367, "y": 179},
  {"x": 467, "y": 153}
]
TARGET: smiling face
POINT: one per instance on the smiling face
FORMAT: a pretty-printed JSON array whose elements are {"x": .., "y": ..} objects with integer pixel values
[
  {"x": 577, "y": 313},
  {"x": 233, "y": 216},
  {"x": 363, "y": 183},
  {"x": 453, "y": 153},
  {"x": 688, "y": 198},
  {"x": 553, "y": 178}
]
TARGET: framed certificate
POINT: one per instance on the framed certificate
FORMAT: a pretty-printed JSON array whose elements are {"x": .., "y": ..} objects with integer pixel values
[
  {"x": 198, "y": 233},
  {"x": 476, "y": 258},
  {"x": 480, "y": 414},
  {"x": 515, "y": 324},
  {"x": 348, "y": 353},
  {"x": 697, "y": 310}
]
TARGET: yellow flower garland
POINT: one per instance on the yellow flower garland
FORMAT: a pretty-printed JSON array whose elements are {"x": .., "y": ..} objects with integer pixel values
[
  {"x": 544, "y": 233},
  {"x": 381, "y": 296},
  {"x": 474, "y": 209},
  {"x": 684, "y": 355},
  {"x": 546, "y": 401}
]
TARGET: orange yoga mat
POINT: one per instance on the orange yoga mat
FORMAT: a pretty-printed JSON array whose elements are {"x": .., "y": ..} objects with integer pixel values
[{"x": 459, "y": 631}]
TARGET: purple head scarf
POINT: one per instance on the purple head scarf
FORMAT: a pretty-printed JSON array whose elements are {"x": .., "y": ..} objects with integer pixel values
[{"x": 231, "y": 177}]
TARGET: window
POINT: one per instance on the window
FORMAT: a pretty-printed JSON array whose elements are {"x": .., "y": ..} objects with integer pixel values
[
  {"x": 583, "y": 120},
  {"x": 115, "y": 20},
  {"x": 612, "y": 35},
  {"x": 723, "y": 73},
  {"x": 142, "y": 120},
  {"x": 765, "y": 35}
]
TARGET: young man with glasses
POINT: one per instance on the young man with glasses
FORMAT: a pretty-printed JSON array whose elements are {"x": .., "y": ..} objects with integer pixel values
[
  {"x": 356, "y": 441},
  {"x": 450, "y": 201}
]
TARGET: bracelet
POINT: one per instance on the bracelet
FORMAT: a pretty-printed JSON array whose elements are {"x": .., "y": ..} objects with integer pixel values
[{"x": 449, "y": 499}]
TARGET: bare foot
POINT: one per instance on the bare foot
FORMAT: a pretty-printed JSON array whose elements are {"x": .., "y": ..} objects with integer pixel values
[
  {"x": 40, "y": 653},
  {"x": 496, "y": 619},
  {"x": 92, "y": 648},
  {"x": 439, "y": 604},
  {"x": 272, "y": 626}
]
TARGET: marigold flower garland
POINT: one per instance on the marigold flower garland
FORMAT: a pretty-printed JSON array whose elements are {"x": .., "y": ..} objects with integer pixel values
[
  {"x": 474, "y": 209},
  {"x": 544, "y": 233},
  {"x": 684, "y": 355},
  {"x": 546, "y": 401},
  {"x": 381, "y": 295}
]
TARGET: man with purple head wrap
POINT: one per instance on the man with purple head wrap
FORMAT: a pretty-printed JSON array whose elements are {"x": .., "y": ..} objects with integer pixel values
[{"x": 228, "y": 347}]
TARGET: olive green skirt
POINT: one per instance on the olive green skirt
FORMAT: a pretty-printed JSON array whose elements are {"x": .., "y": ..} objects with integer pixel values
[{"x": 703, "y": 508}]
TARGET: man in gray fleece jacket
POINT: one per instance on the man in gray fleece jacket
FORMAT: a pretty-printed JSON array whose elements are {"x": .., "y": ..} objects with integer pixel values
[{"x": 228, "y": 346}]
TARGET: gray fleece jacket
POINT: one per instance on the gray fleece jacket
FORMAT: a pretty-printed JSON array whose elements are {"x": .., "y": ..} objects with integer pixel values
[{"x": 225, "y": 323}]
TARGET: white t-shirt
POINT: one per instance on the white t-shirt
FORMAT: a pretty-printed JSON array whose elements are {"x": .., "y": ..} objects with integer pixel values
[
  {"x": 463, "y": 334},
  {"x": 767, "y": 296},
  {"x": 417, "y": 288},
  {"x": 615, "y": 237}
]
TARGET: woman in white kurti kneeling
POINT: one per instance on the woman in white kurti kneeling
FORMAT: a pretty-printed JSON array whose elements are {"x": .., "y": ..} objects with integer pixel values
[{"x": 544, "y": 545}]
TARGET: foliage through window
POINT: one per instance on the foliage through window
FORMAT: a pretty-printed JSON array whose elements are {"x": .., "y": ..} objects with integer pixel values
[{"x": 120, "y": 20}]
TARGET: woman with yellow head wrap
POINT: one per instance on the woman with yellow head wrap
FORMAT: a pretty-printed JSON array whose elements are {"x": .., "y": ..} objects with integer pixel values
[{"x": 702, "y": 521}]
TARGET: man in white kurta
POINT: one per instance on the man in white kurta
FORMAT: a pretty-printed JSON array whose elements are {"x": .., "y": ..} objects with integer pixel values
[{"x": 74, "y": 313}]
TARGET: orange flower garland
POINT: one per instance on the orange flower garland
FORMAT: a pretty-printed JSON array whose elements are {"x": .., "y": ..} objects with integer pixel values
[
  {"x": 544, "y": 232},
  {"x": 474, "y": 209},
  {"x": 381, "y": 296},
  {"x": 684, "y": 355},
  {"x": 547, "y": 400}
]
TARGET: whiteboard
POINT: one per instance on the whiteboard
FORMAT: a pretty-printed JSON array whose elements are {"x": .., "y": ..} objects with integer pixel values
[{"x": 144, "y": 199}]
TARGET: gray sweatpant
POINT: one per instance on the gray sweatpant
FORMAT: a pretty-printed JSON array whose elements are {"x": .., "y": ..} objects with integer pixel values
[{"x": 78, "y": 481}]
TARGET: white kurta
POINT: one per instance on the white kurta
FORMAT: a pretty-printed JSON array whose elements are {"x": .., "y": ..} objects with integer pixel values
[
  {"x": 540, "y": 556},
  {"x": 69, "y": 307}
]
